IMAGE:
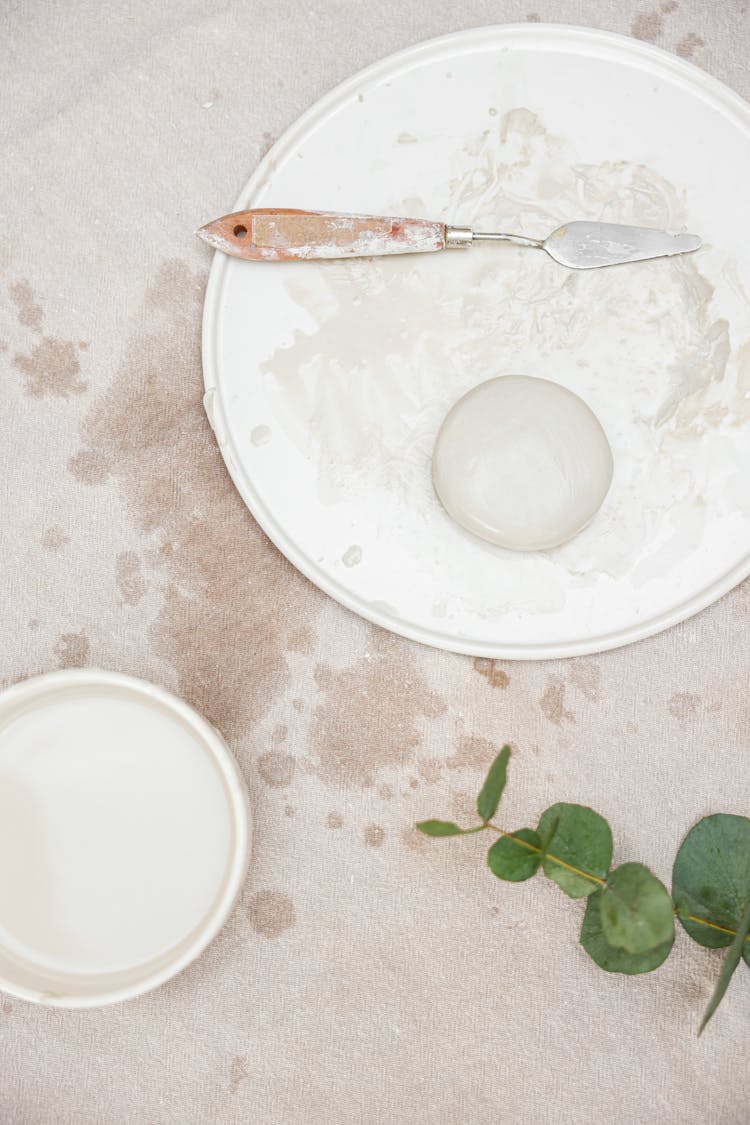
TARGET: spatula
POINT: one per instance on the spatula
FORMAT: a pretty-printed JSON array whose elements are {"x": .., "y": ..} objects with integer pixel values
[{"x": 277, "y": 234}]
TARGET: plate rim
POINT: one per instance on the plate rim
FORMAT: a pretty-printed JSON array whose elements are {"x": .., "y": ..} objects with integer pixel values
[{"x": 694, "y": 77}]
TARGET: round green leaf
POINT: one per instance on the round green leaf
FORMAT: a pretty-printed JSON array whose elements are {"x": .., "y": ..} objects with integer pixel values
[
  {"x": 636, "y": 910},
  {"x": 510, "y": 858},
  {"x": 492, "y": 790},
  {"x": 440, "y": 828},
  {"x": 610, "y": 957},
  {"x": 582, "y": 839},
  {"x": 711, "y": 880}
]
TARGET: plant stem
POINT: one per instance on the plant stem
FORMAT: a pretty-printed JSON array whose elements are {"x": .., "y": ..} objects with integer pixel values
[
  {"x": 712, "y": 925},
  {"x": 547, "y": 855}
]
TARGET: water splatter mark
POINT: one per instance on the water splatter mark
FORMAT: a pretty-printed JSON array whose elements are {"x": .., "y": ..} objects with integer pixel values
[
  {"x": 276, "y": 768},
  {"x": 89, "y": 467},
  {"x": 238, "y": 1072},
  {"x": 54, "y": 539},
  {"x": 552, "y": 702},
  {"x": 374, "y": 835},
  {"x": 687, "y": 47},
  {"x": 51, "y": 367},
  {"x": 29, "y": 311},
  {"x": 130, "y": 581},
  {"x": 72, "y": 650},
  {"x": 684, "y": 704},
  {"x": 647, "y": 26},
  {"x": 271, "y": 913},
  {"x": 368, "y": 718},
  {"x": 492, "y": 672},
  {"x": 222, "y": 579}
]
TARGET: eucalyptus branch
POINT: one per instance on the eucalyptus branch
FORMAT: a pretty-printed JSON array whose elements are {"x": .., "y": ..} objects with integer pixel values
[{"x": 628, "y": 926}]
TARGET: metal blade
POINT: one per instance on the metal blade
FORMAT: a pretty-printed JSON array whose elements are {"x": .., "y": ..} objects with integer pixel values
[{"x": 583, "y": 245}]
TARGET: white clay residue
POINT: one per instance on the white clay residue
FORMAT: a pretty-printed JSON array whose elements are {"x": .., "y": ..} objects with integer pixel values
[
  {"x": 390, "y": 345},
  {"x": 352, "y": 556},
  {"x": 261, "y": 435}
]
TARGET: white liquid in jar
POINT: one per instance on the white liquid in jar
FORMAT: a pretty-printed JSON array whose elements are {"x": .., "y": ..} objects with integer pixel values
[{"x": 115, "y": 831}]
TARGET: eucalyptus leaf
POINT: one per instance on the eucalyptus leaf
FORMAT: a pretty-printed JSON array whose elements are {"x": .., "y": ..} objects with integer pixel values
[
  {"x": 492, "y": 790},
  {"x": 711, "y": 880},
  {"x": 636, "y": 910},
  {"x": 611, "y": 958},
  {"x": 516, "y": 857},
  {"x": 582, "y": 840},
  {"x": 443, "y": 828},
  {"x": 731, "y": 962}
]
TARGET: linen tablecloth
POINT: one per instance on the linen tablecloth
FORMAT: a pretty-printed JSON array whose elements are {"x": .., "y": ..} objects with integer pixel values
[{"x": 368, "y": 974}]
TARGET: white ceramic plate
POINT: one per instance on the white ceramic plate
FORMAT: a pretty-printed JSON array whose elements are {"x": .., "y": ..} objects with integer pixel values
[
  {"x": 326, "y": 383},
  {"x": 124, "y": 832}
]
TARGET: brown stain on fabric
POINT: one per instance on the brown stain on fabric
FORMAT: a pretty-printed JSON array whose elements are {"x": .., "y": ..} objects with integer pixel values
[
  {"x": 271, "y": 913},
  {"x": 368, "y": 717},
  {"x": 72, "y": 650},
  {"x": 266, "y": 142},
  {"x": 238, "y": 1072},
  {"x": 552, "y": 702},
  {"x": 473, "y": 752},
  {"x": 54, "y": 539},
  {"x": 494, "y": 675},
  {"x": 683, "y": 705},
  {"x": 335, "y": 820},
  {"x": 585, "y": 675},
  {"x": 374, "y": 836},
  {"x": 687, "y": 47},
  {"x": 51, "y": 367},
  {"x": 276, "y": 768},
  {"x": 89, "y": 467},
  {"x": 430, "y": 770},
  {"x": 28, "y": 309},
  {"x": 130, "y": 581},
  {"x": 647, "y": 26},
  {"x": 231, "y": 602},
  {"x": 302, "y": 641}
]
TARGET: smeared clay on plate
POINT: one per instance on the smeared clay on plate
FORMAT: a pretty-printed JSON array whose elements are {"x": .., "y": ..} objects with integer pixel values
[
  {"x": 362, "y": 360},
  {"x": 364, "y": 392}
]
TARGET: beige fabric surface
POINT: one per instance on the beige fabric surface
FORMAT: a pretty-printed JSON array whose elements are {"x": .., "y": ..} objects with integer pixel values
[{"x": 367, "y": 975}]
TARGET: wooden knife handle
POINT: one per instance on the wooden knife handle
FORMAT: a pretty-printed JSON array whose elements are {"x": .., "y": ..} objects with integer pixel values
[{"x": 277, "y": 234}]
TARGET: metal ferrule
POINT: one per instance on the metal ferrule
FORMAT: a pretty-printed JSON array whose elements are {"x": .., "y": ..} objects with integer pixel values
[{"x": 458, "y": 236}]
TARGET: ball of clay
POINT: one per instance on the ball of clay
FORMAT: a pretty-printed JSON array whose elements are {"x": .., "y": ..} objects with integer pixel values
[{"x": 522, "y": 462}]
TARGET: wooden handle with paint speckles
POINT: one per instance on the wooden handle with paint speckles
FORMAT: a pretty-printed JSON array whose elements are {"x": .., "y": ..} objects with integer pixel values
[{"x": 277, "y": 234}]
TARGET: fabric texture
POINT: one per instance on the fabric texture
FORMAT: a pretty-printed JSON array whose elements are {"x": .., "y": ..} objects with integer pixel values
[{"x": 368, "y": 974}]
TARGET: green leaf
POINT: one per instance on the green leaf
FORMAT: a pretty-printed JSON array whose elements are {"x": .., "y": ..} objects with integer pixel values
[
  {"x": 442, "y": 828},
  {"x": 516, "y": 857},
  {"x": 636, "y": 910},
  {"x": 731, "y": 961},
  {"x": 610, "y": 957},
  {"x": 711, "y": 886},
  {"x": 711, "y": 880},
  {"x": 582, "y": 840},
  {"x": 492, "y": 790}
]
